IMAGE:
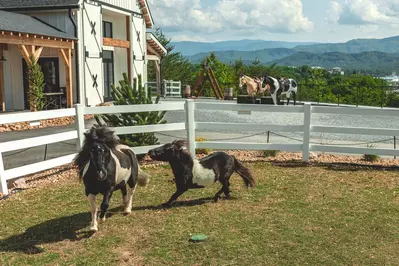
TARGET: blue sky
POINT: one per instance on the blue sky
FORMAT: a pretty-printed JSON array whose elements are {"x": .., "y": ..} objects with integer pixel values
[{"x": 284, "y": 20}]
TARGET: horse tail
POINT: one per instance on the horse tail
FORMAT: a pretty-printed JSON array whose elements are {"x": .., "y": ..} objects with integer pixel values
[
  {"x": 244, "y": 173},
  {"x": 143, "y": 178}
]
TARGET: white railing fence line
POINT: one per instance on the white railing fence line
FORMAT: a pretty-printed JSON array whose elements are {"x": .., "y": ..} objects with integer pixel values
[{"x": 190, "y": 125}]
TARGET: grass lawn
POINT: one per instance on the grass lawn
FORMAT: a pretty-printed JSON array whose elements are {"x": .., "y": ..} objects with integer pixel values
[{"x": 296, "y": 215}]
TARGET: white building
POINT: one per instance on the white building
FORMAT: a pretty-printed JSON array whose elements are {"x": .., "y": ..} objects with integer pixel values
[{"x": 82, "y": 46}]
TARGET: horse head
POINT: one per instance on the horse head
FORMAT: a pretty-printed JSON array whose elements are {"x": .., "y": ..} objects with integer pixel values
[
  {"x": 170, "y": 151},
  {"x": 96, "y": 150},
  {"x": 242, "y": 81},
  {"x": 100, "y": 156}
]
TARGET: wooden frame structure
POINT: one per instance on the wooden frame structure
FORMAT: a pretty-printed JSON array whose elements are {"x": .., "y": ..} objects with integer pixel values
[
  {"x": 33, "y": 45},
  {"x": 207, "y": 73}
]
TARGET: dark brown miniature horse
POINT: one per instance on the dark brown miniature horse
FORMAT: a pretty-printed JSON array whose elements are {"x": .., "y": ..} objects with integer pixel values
[{"x": 192, "y": 173}]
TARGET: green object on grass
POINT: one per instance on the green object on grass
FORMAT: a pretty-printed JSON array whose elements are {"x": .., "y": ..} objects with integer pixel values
[{"x": 198, "y": 238}]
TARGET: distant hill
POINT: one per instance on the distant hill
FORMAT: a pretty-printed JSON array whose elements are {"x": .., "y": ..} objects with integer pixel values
[
  {"x": 386, "y": 45},
  {"x": 264, "y": 56},
  {"x": 191, "y": 48},
  {"x": 370, "y": 61}
]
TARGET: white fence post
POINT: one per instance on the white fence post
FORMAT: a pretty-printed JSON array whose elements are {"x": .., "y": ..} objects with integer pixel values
[
  {"x": 3, "y": 185},
  {"x": 306, "y": 131},
  {"x": 80, "y": 124},
  {"x": 190, "y": 126}
]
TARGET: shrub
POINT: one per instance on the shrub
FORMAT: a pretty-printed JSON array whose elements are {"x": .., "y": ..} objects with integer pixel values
[
  {"x": 202, "y": 151},
  {"x": 270, "y": 153},
  {"x": 36, "y": 85},
  {"x": 125, "y": 94},
  {"x": 370, "y": 157}
]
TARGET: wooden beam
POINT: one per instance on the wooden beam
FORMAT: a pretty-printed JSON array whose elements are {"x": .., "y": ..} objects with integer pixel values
[
  {"x": 116, "y": 43},
  {"x": 158, "y": 76},
  {"x": 37, "y": 53},
  {"x": 23, "y": 40},
  {"x": 25, "y": 53},
  {"x": 129, "y": 50},
  {"x": 2, "y": 90},
  {"x": 66, "y": 54}
]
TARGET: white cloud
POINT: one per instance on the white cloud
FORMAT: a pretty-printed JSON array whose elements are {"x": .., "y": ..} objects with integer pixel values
[
  {"x": 243, "y": 17},
  {"x": 365, "y": 12}
]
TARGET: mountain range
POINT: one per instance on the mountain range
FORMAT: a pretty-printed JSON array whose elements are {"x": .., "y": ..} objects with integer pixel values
[{"x": 373, "y": 55}]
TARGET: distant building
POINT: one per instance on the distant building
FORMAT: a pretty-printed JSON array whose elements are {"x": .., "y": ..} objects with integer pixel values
[
  {"x": 316, "y": 67},
  {"x": 392, "y": 80},
  {"x": 337, "y": 71}
]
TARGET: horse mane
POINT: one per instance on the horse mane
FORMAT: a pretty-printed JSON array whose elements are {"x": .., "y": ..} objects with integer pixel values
[{"x": 101, "y": 134}]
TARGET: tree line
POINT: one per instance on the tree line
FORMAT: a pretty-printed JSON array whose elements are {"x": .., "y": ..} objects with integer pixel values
[{"x": 316, "y": 85}]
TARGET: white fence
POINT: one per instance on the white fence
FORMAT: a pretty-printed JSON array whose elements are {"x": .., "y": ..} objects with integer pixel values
[
  {"x": 172, "y": 88},
  {"x": 191, "y": 126}
]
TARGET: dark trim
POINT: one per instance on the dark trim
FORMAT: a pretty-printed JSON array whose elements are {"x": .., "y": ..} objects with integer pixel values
[
  {"x": 112, "y": 82},
  {"x": 104, "y": 28},
  {"x": 36, "y": 8},
  {"x": 76, "y": 57},
  {"x": 119, "y": 8}
]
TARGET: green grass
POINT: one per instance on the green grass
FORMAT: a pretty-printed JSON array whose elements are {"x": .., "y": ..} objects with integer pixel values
[{"x": 296, "y": 215}]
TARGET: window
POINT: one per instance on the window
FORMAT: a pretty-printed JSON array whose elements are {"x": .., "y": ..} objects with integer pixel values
[
  {"x": 107, "y": 29},
  {"x": 108, "y": 68}
]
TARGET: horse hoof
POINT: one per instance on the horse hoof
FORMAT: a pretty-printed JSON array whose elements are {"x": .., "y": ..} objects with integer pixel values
[
  {"x": 93, "y": 228},
  {"x": 216, "y": 198},
  {"x": 102, "y": 219},
  {"x": 127, "y": 212}
]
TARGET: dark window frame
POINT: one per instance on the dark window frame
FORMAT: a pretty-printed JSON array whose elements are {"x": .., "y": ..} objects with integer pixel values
[
  {"x": 108, "y": 62},
  {"x": 105, "y": 23}
]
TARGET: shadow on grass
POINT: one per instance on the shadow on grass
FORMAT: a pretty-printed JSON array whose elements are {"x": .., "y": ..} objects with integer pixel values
[
  {"x": 52, "y": 231},
  {"x": 336, "y": 166},
  {"x": 177, "y": 204}
]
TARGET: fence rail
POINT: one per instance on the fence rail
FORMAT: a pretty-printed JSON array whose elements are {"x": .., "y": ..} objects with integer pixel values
[{"x": 190, "y": 125}]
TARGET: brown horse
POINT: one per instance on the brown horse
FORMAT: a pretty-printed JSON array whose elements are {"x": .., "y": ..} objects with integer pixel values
[{"x": 254, "y": 86}]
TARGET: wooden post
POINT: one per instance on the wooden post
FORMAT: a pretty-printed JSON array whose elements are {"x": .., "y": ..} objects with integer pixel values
[
  {"x": 67, "y": 56},
  {"x": 158, "y": 76},
  {"x": 2, "y": 90},
  {"x": 129, "y": 50}
]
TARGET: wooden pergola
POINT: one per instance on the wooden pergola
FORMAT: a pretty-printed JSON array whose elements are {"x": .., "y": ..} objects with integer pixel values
[{"x": 31, "y": 44}]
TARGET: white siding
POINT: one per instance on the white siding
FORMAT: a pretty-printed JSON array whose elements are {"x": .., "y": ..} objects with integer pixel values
[{"x": 125, "y": 4}]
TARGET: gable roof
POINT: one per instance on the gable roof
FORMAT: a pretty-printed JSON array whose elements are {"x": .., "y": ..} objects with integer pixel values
[
  {"x": 20, "y": 4},
  {"x": 14, "y": 22}
]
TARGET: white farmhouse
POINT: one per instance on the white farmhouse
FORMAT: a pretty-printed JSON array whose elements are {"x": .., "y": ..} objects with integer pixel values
[{"x": 82, "y": 46}]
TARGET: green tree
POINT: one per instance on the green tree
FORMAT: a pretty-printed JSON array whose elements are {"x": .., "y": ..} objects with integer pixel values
[
  {"x": 173, "y": 66},
  {"x": 125, "y": 94},
  {"x": 36, "y": 85}
]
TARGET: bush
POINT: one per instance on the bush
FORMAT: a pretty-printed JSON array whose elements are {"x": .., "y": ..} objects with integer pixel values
[
  {"x": 370, "y": 157},
  {"x": 202, "y": 151},
  {"x": 36, "y": 86},
  {"x": 125, "y": 94},
  {"x": 270, "y": 153}
]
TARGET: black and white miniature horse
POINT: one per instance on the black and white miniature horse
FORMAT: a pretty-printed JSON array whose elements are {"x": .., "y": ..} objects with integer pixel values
[
  {"x": 106, "y": 166},
  {"x": 281, "y": 86},
  {"x": 192, "y": 173}
]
